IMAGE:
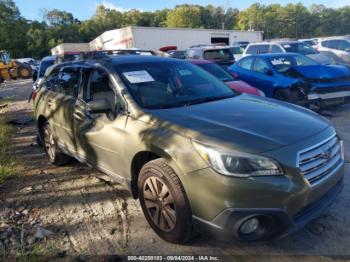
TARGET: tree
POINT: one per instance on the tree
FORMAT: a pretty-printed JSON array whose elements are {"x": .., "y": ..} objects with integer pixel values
[{"x": 184, "y": 16}]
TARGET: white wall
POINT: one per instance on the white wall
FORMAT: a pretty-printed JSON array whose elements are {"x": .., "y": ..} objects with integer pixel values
[{"x": 154, "y": 38}]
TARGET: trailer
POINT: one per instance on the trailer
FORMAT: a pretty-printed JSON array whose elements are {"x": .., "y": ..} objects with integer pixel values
[
  {"x": 70, "y": 48},
  {"x": 153, "y": 38}
]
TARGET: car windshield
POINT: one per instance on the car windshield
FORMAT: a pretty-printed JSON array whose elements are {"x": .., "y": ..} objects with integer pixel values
[
  {"x": 300, "y": 48},
  {"x": 167, "y": 84},
  {"x": 236, "y": 50},
  {"x": 44, "y": 66},
  {"x": 218, "y": 54},
  {"x": 283, "y": 63},
  {"x": 217, "y": 71}
]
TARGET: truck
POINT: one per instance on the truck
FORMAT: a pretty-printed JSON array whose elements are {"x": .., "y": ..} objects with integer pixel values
[{"x": 12, "y": 69}]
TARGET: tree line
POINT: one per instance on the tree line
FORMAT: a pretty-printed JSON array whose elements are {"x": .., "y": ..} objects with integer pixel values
[{"x": 27, "y": 38}]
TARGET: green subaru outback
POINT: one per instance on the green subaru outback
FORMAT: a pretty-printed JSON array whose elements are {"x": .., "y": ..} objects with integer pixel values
[{"x": 199, "y": 156}]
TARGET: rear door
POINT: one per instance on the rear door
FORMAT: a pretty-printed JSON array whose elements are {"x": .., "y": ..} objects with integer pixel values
[
  {"x": 263, "y": 79},
  {"x": 100, "y": 137},
  {"x": 244, "y": 71}
]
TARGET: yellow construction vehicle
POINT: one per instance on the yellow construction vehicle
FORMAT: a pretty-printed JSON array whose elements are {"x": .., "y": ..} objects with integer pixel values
[{"x": 12, "y": 69}]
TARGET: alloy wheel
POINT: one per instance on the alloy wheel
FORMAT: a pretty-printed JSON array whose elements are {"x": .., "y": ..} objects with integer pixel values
[{"x": 160, "y": 204}]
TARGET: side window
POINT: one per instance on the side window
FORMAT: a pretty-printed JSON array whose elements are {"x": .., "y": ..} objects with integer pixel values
[
  {"x": 69, "y": 79},
  {"x": 52, "y": 80},
  {"x": 190, "y": 54},
  {"x": 333, "y": 44},
  {"x": 276, "y": 49},
  {"x": 257, "y": 49},
  {"x": 101, "y": 87},
  {"x": 325, "y": 43},
  {"x": 246, "y": 63},
  {"x": 260, "y": 66},
  {"x": 343, "y": 45}
]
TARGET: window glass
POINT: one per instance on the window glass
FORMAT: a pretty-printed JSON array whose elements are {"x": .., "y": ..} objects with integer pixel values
[
  {"x": 333, "y": 44},
  {"x": 236, "y": 50},
  {"x": 69, "y": 79},
  {"x": 325, "y": 43},
  {"x": 218, "y": 54},
  {"x": 276, "y": 49},
  {"x": 52, "y": 80},
  {"x": 284, "y": 63},
  {"x": 217, "y": 71},
  {"x": 190, "y": 53},
  {"x": 246, "y": 63},
  {"x": 257, "y": 49},
  {"x": 166, "y": 84},
  {"x": 343, "y": 45},
  {"x": 101, "y": 87},
  {"x": 260, "y": 66},
  {"x": 44, "y": 66},
  {"x": 300, "y": 48}
]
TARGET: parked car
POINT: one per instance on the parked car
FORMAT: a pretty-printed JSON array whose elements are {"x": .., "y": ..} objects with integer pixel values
[
  {"x": 197, "y": 155},
  {"x": 242, "y": 44},
  {"x": 337, "y": 48},
  {"x": 288, "y": 47},
  {"x": 220, "y": 55},
  {"x": 295, "y": 78},
  {"x": 30, "y": 61},
  {"x": 237, "y": 51},
  {"x": 311, "y": 42},
  {"x": 226, "y": 77},
  {"x": 44, "y": 64}
]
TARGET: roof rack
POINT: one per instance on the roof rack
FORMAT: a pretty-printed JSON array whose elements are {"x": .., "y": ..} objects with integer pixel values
[{"x": 106, "y": 54}]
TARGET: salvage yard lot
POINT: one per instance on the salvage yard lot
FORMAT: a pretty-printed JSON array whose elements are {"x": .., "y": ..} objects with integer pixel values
[{"x": 81, "y": 212}]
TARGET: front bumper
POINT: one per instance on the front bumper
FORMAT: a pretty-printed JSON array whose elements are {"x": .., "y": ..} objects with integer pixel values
[
  {"x": 325, "y": 96},
  {"x": 275, "y": 222}
]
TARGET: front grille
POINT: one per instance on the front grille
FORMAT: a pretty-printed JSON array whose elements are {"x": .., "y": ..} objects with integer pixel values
[{"x": 317, "y": 162}]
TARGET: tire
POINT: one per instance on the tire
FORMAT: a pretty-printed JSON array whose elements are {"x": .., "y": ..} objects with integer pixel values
[
  {"x": 283, "y": 95},
  {"x": 173, "y": 221},
  {"x": 53, "y": 153},
  {"x": 24, "y": 72}
]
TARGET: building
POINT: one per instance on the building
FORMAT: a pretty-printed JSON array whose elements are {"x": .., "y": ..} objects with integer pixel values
[{"x": 153, "y": 38}]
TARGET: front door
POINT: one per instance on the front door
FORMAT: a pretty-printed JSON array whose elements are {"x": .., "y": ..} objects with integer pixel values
[{"x": 100, "y": 136}]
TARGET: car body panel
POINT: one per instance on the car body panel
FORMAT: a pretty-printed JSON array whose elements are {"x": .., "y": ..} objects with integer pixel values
[{"x": 113, "y": 142}]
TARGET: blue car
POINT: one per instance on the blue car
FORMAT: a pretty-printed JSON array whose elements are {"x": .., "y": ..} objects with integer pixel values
[{"x": 295, "y": 78}]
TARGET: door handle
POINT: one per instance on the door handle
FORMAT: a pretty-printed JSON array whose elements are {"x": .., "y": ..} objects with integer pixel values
[{"x": 79, "y": 116}]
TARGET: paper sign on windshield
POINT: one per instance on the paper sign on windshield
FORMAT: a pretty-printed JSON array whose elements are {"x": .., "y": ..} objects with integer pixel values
[{"x": 136, "y": 77}]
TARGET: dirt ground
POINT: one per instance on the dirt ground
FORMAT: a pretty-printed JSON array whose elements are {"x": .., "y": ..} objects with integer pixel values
[{"x": 75, "y": 211}]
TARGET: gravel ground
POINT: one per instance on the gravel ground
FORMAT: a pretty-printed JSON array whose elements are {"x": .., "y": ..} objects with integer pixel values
[{"x": 75, "y": 211}]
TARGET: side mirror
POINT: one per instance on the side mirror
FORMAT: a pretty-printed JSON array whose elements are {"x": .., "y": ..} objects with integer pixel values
[
  {"x": 35, "y": 75},
  {"x": 268, "y": 72},
  {"x": 99, "y": 106}
]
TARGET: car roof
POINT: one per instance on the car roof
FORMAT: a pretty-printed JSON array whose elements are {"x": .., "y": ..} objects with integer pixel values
[
  {"x": 271, "y": 55},
  {"x": 48, "y": 58},
  {"x": 134, "y": 59},
  {"x": 199, "y": 61},
  {"x": 286, "y": 42}
]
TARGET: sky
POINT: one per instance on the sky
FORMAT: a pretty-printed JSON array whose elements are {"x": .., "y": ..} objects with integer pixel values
[{"x": 84, "y": 9}]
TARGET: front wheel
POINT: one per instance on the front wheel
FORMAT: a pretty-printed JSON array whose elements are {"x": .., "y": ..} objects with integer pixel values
[{"x": 164, "y": 202}]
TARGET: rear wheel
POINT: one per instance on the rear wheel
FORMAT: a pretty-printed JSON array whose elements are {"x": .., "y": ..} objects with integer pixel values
[
  {"x": 54, "y": 154},
  {"x": 164, "y": 202}
]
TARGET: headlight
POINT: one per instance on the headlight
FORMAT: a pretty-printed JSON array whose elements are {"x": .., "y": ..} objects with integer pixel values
[{"x": 236, "y": 163}]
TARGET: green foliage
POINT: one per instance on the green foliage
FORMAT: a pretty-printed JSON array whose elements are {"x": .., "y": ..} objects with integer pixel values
[
  {"x": 25, "y": 38},
  {"x": 6, "y": 162}
]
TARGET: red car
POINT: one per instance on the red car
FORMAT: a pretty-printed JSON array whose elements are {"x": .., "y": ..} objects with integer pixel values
[{"x": 220, "y": 73}]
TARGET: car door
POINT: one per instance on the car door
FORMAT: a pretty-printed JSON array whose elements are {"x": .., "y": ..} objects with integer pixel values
[
  {"x": 244, "y": 70},
  {"x": 264, "y": 76},
  {"x": 100, "y": 137}
]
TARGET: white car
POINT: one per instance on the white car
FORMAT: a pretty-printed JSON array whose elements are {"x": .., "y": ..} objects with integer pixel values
[
  {"x": 338, "y": 48},
  {"x": 288, "y": 47}
]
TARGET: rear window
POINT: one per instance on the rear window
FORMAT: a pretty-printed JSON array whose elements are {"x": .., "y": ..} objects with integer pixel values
[
  {"x": 257, "y": 49},
  {"x": 44, "y": 66},
  {"x": 300, "y": 48},
  {"x": 245, "y": 63},
  {"x": 218, "y": 54}
]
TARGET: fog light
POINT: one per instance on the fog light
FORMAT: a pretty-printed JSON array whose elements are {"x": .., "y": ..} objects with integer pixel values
[{"x": 249, "y": 226}]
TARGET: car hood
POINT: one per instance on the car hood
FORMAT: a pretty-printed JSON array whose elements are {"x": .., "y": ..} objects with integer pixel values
[
  {"x": 247, "y": 123},
  {"x": 323, "y": 72},
  {"x": 322, "y": 59},
  {"x": 242, "y": 87}
]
